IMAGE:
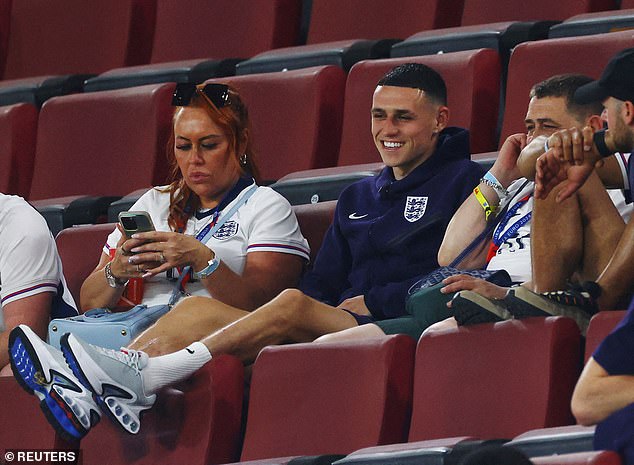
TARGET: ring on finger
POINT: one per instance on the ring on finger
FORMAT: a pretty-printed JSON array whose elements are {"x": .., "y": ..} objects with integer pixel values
[
  {"x": 162, "y": 257},
  {"x": 138, "y": 268}
]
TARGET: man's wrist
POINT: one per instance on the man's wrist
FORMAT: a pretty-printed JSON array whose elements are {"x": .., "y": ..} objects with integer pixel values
[
  {"x": 504, "y": 178},
  {"x": 489, "y": 179}
]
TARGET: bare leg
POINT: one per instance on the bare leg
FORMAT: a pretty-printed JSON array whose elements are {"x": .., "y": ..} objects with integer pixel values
[
  {"x": 290, "y": 317},
  {"x": 367, "y": 331},
  {"x": 189, "y": 321},
  {"x": 603, "y": 227},
  {"x": 616, "y": 280},
  {"x": 556, "y": 244},
  {"x": 578, "y": 235}
]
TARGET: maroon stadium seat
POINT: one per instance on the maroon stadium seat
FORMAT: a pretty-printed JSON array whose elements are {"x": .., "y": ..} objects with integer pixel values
[
  {"x": 18, "y": 126},
  {"x": 472, "y": 79},
  {"x": 532, "y": 62},
  {"x": 495, "y": 380},
  {"x": 331, "y": 21},
  {"x": 295, "y": 117},
  {"x": 223, "y": 28},
  {"x": 336, "y": 36},
  {"x": 600, "y": 326},
  {"x": 81, "y": 37},
  {"x": 325, "y": 398},
  {"x": 594, "y": 23},
  {"x": 80, "y": 249},
  {"x": 490, "y": 11},
  {"x": 102, "y": 143},
  {"x": 314, "y": 220},
  {"x": 195, "y": 422},
  {"x": 218, "y": 34},
  {"x": 23, "y": 424}
]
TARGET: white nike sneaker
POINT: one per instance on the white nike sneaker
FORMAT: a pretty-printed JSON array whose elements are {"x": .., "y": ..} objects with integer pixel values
[
  {"x": 40, "y": 369},
  {"x": 114, "y": 377}
]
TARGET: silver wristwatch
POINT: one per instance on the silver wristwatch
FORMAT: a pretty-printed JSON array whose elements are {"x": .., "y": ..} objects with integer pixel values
[{"x": 112, "y": 280}]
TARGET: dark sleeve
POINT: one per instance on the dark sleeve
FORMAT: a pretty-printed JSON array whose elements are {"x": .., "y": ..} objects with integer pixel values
[
  {"x": 614, "y": 354},
  {"x": 328, "y": 277}
]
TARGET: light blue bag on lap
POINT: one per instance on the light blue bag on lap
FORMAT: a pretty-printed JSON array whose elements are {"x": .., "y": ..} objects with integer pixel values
[{"x": 104, "y": 328}]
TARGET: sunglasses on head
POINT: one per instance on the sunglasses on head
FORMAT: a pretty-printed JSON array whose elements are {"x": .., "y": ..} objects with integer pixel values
[{"x": 216, "y": 94}]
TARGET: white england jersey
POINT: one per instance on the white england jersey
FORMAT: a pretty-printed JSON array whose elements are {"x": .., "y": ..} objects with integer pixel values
[
  {"x": 29, "y": 262},
  {"x": 265, "y": 223}
]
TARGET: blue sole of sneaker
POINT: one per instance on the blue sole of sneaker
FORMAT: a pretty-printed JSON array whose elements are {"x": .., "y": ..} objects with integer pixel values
[{"x": 27, "y": 370}]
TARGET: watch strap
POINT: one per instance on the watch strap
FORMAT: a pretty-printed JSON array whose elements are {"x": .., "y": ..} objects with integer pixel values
[{"x": 212, "y": 265}]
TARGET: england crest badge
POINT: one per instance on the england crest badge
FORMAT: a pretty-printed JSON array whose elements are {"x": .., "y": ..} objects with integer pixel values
[
  {"x": 230, "y": 228},
  {"x": 415, "y": 208}
]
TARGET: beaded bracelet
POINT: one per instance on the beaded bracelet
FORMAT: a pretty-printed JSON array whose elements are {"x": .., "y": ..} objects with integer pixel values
[{"x": 490, "y": 180}]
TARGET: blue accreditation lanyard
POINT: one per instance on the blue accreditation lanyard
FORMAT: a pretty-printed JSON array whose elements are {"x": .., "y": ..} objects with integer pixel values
[
  {"x": 498, "y": 237},
  {"x": 203, "y": 232},
  {"x": 208, "y": 231}
]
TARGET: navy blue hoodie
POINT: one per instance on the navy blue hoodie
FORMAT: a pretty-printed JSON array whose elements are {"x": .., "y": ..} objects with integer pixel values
[{"x": 386, "y": 233}]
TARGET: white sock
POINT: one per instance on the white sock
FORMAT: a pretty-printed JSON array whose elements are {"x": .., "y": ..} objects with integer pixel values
[{"x": 171, "y": 368}]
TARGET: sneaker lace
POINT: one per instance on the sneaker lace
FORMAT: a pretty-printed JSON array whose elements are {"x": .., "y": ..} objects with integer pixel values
[
  {"x": 129, "y": 357},
  {"x": 583, "y": 296}
]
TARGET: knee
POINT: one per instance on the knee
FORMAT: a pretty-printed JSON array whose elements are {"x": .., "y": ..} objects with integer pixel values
[
  {"x": 287, "y": 306},
  {"x": 190, "y": 303},
  {"x": 290, "y": 298}
]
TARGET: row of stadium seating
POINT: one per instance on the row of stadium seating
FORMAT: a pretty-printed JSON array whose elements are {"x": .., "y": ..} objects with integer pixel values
[
  {"x": 47, "y": 51},
  {"x": 382, "y": 401},
  {"x": 112, "y": 143},
  {"x": 40, "y": 38}
]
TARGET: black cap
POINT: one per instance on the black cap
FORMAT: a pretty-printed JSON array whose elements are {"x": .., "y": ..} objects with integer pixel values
[{"x": 616, "y": 81}]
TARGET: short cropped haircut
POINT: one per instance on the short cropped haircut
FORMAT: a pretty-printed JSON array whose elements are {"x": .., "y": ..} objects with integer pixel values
[
  {"x": 565, "y": 85},
  {"x": 417, "y": 76}
]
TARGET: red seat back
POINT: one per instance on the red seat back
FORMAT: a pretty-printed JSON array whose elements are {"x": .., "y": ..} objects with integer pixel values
[
  {"x": 473, "y": 86},
  {"x": 325, "y": 398},
  {"x": 295, "y": 117},
  {"x": 18, "y": 128},
  {"x": 314, "y": 220},
  {"x": 491, "y": 11},
  {"x": 495, "y": 380},
  {"x": 80, "y": 250},
  {"x": 197, "y": 422},
  {"x": 532, "y": 62},
  {"x": 102, "y": 143},
  {"x": 223, "y": 28},
  {"x": 24, "y": 427},
  {"x": 600, "y": 326},
  {"x": 80, "y": 37},
  {"x": 331, "y": 21}
]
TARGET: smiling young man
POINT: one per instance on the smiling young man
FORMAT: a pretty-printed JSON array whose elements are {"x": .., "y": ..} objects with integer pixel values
[{"x": 385, "y": 234}]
